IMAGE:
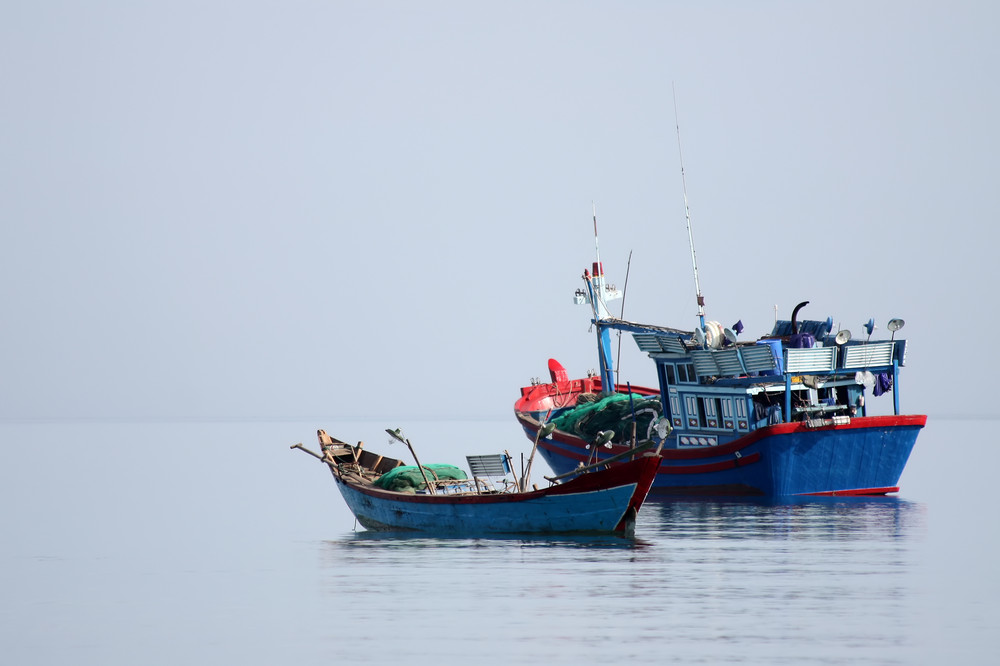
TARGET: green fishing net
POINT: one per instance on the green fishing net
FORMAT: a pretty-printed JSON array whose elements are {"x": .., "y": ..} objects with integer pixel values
[
  {"x": 408, "y": 479},
  {"x": 612, "y": 412}
]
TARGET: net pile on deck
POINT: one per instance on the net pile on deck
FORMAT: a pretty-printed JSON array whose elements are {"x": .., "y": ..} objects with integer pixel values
[
  {"x": 408, "y": 479},
  {"x": 613, "y": 412}
]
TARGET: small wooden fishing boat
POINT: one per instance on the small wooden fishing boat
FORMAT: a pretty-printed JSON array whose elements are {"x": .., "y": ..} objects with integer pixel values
[{"x": 386, "y": 495}]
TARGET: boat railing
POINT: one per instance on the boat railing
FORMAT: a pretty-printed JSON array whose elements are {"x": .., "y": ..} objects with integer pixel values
[
  {"x": 813, "y": 360},
  {"x": 877, "y": 354},
  {"x": 734, "y": 362}
]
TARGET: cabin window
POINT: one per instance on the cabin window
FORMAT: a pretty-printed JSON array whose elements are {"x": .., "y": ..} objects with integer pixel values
[
  {"x": 693, "y": 413},
  {"x": 669, "y": 369},
  {"x": 710, "y": 410},
  {"x": 675, "y": 409},
  {"x": 686, "y": 373},
  {"x": 742, "y": 422},
  {"x": 728, "y": 421}
]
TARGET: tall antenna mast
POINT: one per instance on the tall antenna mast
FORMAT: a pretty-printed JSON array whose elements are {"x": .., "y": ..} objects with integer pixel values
[
  {"x": 596, "y": 244},
  {"x": 599, "y": 290},
  {"x": 687, "y": 215}
]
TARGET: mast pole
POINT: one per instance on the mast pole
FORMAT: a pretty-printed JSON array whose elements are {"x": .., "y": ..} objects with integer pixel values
[
  {"x": 597, "y": 245},
  {"x": 596, "y": 287},
  {"x": 687, "y": 216}
]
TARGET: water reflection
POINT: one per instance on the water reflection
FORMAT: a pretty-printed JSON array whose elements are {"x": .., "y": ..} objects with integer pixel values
[
  {"x": 820, "y": 518},
  {"x": 420, "y": 541},
  {"x": 696, "y": 578}
]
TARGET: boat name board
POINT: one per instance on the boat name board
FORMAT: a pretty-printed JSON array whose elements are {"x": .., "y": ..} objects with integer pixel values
[{"x": 697, "y": 440}]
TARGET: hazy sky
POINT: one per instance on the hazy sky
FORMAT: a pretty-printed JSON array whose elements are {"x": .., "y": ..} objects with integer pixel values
[{"x": 340, "y": 209}]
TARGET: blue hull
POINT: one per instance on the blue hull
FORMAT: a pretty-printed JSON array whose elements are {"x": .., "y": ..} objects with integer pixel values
[
  {"x": 596, "y": 511},
  {"x": 865, "y": 457}
]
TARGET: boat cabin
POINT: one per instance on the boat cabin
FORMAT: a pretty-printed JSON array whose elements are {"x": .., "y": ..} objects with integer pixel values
[{"x": 717, "y": 389}]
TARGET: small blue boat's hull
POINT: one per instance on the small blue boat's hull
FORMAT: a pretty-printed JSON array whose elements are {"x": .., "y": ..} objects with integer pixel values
[
  {"x": 603, "y": 501},
  {"x": 863, "y": 457}
]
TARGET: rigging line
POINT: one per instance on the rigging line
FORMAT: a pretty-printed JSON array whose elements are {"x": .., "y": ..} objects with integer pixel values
[
  {"x": 618, "y": 363},
  {"x": 687, "y": 215},
  {"x": 597, "y": 246}
]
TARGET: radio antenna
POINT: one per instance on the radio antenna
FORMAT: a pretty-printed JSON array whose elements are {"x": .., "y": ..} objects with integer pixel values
[
  {"x": 597, "y": 246},
  {"x": 687, "y": 216}
]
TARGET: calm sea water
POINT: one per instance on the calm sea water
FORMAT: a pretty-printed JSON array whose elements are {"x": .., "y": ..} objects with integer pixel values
[{"x": 167, "y": 543}]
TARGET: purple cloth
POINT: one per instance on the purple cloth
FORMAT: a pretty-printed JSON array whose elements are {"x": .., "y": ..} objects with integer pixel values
[{"x": 883, "y": 383}]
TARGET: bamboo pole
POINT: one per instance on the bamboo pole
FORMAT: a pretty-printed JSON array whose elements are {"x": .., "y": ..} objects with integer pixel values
[
  {"x": 543, "y": 431},
  {"x": 312, "y": 453},
  {"x": 510, "y": 464}
]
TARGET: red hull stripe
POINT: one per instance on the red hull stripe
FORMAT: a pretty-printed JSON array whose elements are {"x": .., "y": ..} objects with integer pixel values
[
  {"x": 858, "y": 491},
  {"x": 788, "y": 428},
  {"x": 719, "y": 466},
  {"x": 743, "y": 442}
]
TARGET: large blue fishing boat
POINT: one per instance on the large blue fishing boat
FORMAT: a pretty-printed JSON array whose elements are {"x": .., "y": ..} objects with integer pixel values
[{"x": 783, "y": 414}]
